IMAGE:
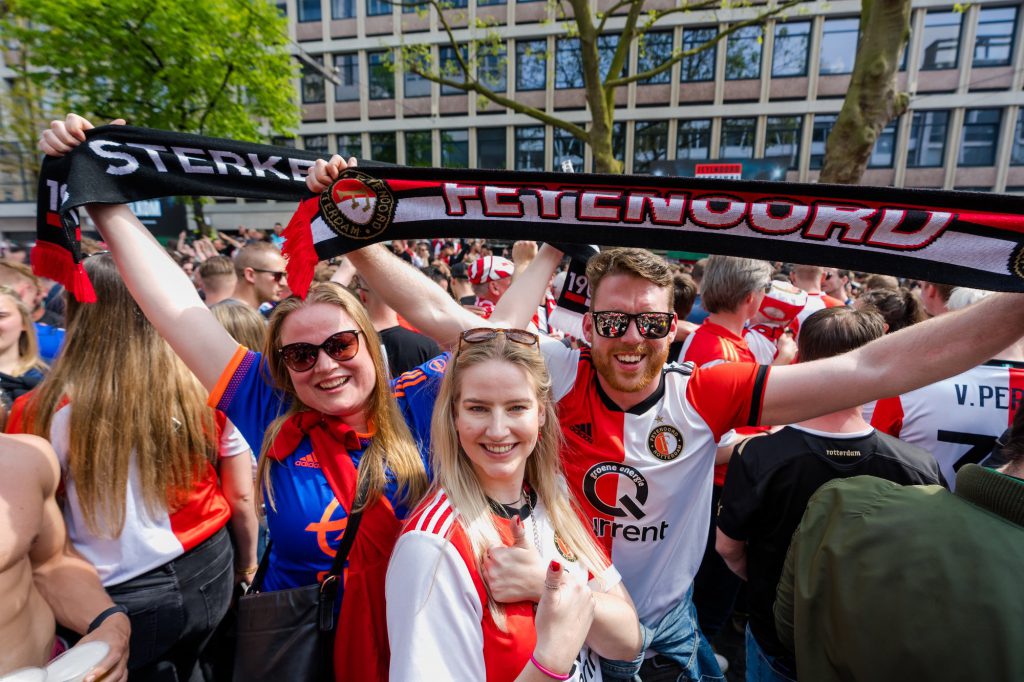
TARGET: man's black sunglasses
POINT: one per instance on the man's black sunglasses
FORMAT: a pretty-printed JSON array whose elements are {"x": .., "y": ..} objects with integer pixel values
[{"x": 612, "y": 324}]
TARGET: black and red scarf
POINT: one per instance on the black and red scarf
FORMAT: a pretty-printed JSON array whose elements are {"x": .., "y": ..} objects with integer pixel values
[{"x": 963, "y": 238}]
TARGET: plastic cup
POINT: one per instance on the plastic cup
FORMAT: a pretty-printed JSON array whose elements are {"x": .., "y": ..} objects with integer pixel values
[{"x": 75, "y": 663}]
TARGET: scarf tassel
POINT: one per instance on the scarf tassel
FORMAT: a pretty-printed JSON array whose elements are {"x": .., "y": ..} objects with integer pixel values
[
  {"x": 298, "y": 247},
  {"x": 54, "y": 262}
]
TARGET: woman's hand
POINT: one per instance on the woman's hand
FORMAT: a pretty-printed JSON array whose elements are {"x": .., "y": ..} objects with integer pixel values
[
  {"x": 63, "y": 136},
  {"x": 322, "y": 173},
  {"x": 564, "y": 616},
  {"x": 516, "y": 573}
]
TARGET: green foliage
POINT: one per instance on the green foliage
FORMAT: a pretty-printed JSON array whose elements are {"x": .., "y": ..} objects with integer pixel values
[{"x": 213, "y": 67}]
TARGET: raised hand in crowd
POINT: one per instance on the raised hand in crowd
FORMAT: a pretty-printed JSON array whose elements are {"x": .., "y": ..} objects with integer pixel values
[{"x": 514, "y": 573}]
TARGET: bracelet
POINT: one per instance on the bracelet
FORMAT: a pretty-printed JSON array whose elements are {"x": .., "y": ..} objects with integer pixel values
[
  {"x": 98, "y": 620},
  {"x": 550, "y": 673},
  {"x": 246, "y": 571}
]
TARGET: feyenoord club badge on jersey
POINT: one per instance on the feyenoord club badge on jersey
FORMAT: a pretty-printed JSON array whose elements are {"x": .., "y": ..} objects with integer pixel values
[
  {"x": 665, "y": 442},
  {"x": 357, "y": 205}
]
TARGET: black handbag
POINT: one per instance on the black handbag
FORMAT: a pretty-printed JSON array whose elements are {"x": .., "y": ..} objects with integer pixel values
[{"x": 289, "y": 634}]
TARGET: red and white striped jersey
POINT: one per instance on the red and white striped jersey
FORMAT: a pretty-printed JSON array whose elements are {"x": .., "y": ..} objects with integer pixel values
[
  {"x": 956, "y": 419},
  {"x": 815, "y": 302},
  {"x": 643, "y": 477},
  {"x": 437, "y": 603}
]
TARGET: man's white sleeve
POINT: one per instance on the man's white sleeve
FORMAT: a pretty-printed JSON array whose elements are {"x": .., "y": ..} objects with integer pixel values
[
  {"x": 563, "y": 364},
  {"x": 434, "y": 613}
]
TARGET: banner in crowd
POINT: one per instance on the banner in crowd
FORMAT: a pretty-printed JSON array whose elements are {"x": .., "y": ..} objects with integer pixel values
[{"x": 970, "y": 239}]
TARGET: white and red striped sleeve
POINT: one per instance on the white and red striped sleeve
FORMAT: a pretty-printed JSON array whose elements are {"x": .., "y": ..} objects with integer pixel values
[{"x": 433, "y": 610}]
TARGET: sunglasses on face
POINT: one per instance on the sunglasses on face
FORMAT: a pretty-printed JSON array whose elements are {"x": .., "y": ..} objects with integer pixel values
[
  {"x": 612, "y": 324},
  {"x": 300, "y": 357},
  {"x": 485, "y": 334},
  {"x": 278, "y": 275}
]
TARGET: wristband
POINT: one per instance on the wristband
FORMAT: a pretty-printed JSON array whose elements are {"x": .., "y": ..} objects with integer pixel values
[
  {"x": 246, "y": 571},
  {"x": 550, "y": 673},
  {"x": 98, "y": 620}
]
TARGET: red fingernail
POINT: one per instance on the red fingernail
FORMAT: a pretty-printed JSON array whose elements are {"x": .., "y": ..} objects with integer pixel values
[
  {"x": 555, "y": 566},
  {"x": 519, "y": 522}
]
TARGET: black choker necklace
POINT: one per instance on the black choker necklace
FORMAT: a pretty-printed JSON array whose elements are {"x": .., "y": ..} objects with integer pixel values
[{"x": 510, "y": 511}]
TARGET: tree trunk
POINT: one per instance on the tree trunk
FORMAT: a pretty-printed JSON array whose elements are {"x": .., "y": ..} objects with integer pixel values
[
  {"x": 872, "y": 99},
  {"x": 200, "y": 218}
]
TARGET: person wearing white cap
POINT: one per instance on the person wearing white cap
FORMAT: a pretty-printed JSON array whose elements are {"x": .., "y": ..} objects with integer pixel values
[{"x": 490, "y": 277}]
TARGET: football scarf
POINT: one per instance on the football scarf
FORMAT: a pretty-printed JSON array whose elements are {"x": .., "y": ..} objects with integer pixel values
[{"x": 967, "y": 239}]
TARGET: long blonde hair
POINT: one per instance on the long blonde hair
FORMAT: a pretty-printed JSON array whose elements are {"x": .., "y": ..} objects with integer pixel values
[
  {"x": 392, "y": 446},
  {"x": 130, "y": 394},
  {"x": 454, "y": 472},
  {"x": 28, "y": 342}
]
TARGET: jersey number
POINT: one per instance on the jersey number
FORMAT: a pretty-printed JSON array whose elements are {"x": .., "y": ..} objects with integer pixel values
[{"x": 981, "y": 446}]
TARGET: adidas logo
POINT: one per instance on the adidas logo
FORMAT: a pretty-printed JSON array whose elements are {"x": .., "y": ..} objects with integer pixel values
[
  {"x": 308, "y": 461},
  {"x": 584, "y": 431}
]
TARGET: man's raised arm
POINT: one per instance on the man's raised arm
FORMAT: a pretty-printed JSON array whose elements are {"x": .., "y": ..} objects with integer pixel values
[{"x": 896, "y": 363}]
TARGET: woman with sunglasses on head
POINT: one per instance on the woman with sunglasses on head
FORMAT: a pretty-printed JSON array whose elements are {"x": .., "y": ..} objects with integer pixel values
[
  {"x": 498, "y": 490},
  {"x": 318, "y": 404}
]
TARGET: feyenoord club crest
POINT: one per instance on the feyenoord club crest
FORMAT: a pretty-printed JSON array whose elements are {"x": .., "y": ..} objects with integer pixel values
[
  {"x": 563, "y": 549},
  {"x": 665, "y": 442},
  {"x": 1017, "y": 262},
  {"x": 357, "y": 205}
]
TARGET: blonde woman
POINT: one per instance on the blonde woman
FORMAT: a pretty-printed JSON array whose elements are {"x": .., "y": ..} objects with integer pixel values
[
  {"x": 499, "y": 484},
  {"x": 21, "y": 368}
]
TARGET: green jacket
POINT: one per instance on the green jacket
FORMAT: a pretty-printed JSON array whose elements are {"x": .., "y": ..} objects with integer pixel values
[{"x": 889, "y": 582}]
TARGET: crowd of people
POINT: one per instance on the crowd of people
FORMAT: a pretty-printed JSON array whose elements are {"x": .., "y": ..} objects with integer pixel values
[{"x": 831, "y": 462}]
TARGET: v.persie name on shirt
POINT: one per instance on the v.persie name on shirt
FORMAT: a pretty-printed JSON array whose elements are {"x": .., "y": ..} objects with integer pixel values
[{"x": 999, "y": 397}]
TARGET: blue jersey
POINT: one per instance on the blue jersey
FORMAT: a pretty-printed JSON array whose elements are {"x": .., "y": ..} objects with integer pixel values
[{"x": 306, "y": 522}]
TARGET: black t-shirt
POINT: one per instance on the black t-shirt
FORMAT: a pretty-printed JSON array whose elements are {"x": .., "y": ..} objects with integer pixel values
[
  {"x": 769, "y": 482},
  {"x": 406, "y": 349}
]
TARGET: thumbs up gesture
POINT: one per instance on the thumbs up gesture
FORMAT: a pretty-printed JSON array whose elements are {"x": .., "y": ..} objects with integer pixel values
[{"x": 516, "y": 573}]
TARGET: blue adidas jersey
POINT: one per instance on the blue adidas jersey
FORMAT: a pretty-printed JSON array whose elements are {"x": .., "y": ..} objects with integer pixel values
[{"x": 306, "y": 522}]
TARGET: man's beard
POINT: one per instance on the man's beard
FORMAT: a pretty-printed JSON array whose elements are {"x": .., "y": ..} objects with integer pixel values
[{"x": 654, "y": 359}]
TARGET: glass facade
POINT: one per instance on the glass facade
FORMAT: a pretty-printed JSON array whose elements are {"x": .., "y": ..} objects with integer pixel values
[
  {"x": 940, "y": 45},
  {"x": 979, "y": 137},
  {"x": 654, "y": 50},
  {"x": 382, "y": 78},
  {"x": 792, "y": 43},
  {"x": 738, "y": 138},
  {"x": 346, "y": 67},
  {"x": 566, "y": 147},
  {"x": 993, "y": 44},
  {"x": 455, "y": 148},
  {"x": 927, "y": 144},
  {"x": 568, "y": 64},
  {"x": 349, "y": 145},
  {"x": 782, "y": 138},
  {"x": 650, "y": 143},
  {"x": 743, "y": 54},
  {"x": 383, "y": 147},
  {"x": 490, "y": 148},
  {"x": 530, "y": 148},
  {"x": 819, "y": 136},
  {"x": 693, "y": 139},
  {"x": 531, "y": 64},
  {"x": 701, "y": 65},
  {"x": 418, "y": 148},
  {"x": 838, "y": 46}
]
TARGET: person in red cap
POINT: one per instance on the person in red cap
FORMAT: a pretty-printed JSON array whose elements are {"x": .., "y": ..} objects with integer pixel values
[{"x": 490, "y": 277}]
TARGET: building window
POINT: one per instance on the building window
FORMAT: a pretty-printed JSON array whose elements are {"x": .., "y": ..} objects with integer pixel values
[
  {"x": 451, "y": 68},
  {"x": 650, "y": 144},
  {"x": 382, "y": 78},
  {"x": 308, "y": 10},
  {"x": 980, "y": 133},
  {"x": 737, "y": 138},
  {"x": 349, "y": 145},
  {"x": 993, "y": 46},
  {"x": 531, "y": 65},
  {"x": 838, "y": 46},
  {"x": 530, "y": 148},
  {"x": 313, "y": 83},
  {"x": 281, "y": 141},
  {"x": 566, "y": 148},
  {"x": 418, "y": 148},
  {"x": 377, "y": 8},
  {"x": 823, "y": 124},
  {"x": 927, "y": 143},
  {"x": 1017, "y": 153},
  {"x": 699, "y": 66},
  {"x": 693, "y": 139},
  {"x": 414, "y": 84},
  {"x": 482, "y": 3},
  {"x": 383, "y": 148},
  {"x": 782, "y": 138},
  {"x": 743, "y": 54},
  {"x": 792, "y": 42},
  {"x": 490, "y": 148},
  {"x": 884, "y": 152},
  {"x": 653, "y": 50},
  {"x": 492, "y": 63},
  {"x": 619, "y": 141},
  {"x": 346, "y": 67},
  {"x": 940, "y": 45},
  {"x": 568, "y": 64},
  {"x": 315, "y": 143},
  {"x": 343, "y": 9},
  {"x": 606, "y": 46},
  {"x": 455, "y": 148}
]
